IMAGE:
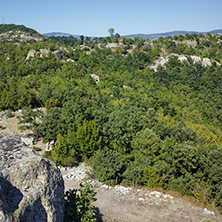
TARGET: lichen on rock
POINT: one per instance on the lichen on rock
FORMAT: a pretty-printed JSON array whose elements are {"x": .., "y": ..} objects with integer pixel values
[{"x": 31, "y": 187}]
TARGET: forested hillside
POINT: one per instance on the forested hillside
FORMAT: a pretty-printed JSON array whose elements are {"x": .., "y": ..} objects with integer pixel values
[
  {"x": 137, "y": 126},
  {"x": 12, "y": 33}
]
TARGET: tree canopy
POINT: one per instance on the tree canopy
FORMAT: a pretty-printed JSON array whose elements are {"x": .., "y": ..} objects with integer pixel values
[{"x": 161, "y": 128}]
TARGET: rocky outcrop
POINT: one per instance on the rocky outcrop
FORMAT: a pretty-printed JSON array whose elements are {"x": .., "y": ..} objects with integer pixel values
[
  {"x": 190, "y": 43},
  {"x": 31, "y": 54},
  {"x": 44, "y": 52},
  {"x": 31, "y": 187},
  {"x": 112, "y": 45},
  {"x": 58, "y": 55},
  {"x": 195, "y": 59},
  {"x": 95, "y": 77}
]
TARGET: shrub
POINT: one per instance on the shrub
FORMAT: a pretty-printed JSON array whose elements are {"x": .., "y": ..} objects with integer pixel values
[
  {"x": 9, "y": 114},
  {"x": 78, "y": 206}
]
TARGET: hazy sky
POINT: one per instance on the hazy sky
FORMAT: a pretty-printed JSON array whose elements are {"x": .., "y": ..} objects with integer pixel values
[{"x": 95, "y": 17}]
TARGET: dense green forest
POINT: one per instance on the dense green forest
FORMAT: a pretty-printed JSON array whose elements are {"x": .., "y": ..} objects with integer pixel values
[{"x": 136, "y": 126}]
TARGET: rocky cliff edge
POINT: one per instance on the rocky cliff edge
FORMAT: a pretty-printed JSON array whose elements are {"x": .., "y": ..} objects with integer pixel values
[{"x": 31, "y": 187}]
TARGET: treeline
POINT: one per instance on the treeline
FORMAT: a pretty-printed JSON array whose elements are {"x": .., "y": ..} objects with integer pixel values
[{"x": 136, "y": 126}]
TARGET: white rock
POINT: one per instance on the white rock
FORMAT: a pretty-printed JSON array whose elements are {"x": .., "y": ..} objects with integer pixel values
[
  {"x": 112, "y": 45},
  {"x": 195, "y": 59},
  {"x": 106, "y": 187},
  {"x": 122, "y": 189},
  {"x": 95, "y": 77},
  {"x": 206, "y": 62},
  {"x": 31, "y": 54},
  {"x": 70, "y": 60},
  {"x": 206, "y": 211},
  {"x": 156, "y": 194},
  {"x": 44, "y": 51},
  {"x": 182, "y": 58}
]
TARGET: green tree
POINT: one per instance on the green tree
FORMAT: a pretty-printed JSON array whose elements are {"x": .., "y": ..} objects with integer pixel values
[
  {"x": 117, "y": 36},
  {"x": 78, "y": 205},
  {"x": 147, "y": 143},
  {"x": 62, "y": 153},
  {"x": 108, "y": 166},
  {"x": 52, "y": 125},
  {"x": 31, "y": 119},
  {"x": 151, "y": 178},
  {"x": 111, "y": 32},
  {"x": 87, "y": 139},
  {"x": 82, "y": 39}
]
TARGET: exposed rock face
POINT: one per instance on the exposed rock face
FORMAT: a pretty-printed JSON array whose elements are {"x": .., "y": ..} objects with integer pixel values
[
  {"x": 31, "y": 53},
  {"x": 112, "y": 45},
  {"x": 196, "y": 59},
  {"x": 31, "y": 187},
  {"x": 44, "y": 51}
]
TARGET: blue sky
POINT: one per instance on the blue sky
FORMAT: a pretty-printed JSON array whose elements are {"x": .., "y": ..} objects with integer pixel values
[{"x": 94, "y": 18}]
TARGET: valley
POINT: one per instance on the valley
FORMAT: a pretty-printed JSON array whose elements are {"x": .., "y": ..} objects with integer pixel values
[{"x": 143, "y": 114}]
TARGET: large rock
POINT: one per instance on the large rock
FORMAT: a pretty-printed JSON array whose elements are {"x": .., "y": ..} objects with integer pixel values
[
  {"x": 31, "y": 187},
  {"x": 112, "y": 45},
  {"x": 31, "y": 54},
  {"x": 196, "y": 59},
  {"x": 58, "y": 55},
  {"x": 95, "y": 77},
  {"x": 44, "y": 52}
]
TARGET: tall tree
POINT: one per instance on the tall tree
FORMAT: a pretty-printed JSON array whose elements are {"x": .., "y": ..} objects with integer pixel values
[
  {"x": 82, "y": 39},
  {"x": 111, "y": 32}
]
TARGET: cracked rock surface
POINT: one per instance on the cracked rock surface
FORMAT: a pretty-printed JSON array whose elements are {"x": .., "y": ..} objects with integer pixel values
[{"x": 31, "y": 187}]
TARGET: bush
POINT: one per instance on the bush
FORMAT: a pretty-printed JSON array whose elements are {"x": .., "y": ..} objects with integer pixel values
[
  {"x": 78, "y": 206},
  {"x": 9, "y": 114}
]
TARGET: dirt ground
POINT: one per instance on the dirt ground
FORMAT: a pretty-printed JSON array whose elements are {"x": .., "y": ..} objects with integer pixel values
[{"x": 131, "y": 204}]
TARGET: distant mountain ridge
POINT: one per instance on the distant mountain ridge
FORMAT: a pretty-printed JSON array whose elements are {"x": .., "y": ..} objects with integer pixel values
[
  {"x": 56, "y": 34},
  {"x": 145, "y": 36},
  {"x": 9, "y": 28},
  {"x": 174, "y": 33}
]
